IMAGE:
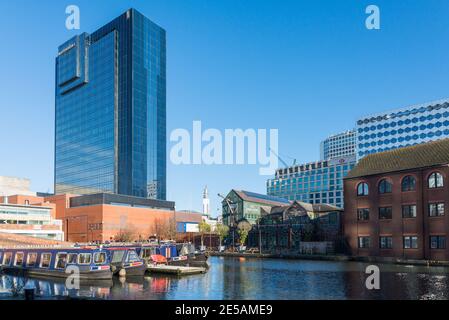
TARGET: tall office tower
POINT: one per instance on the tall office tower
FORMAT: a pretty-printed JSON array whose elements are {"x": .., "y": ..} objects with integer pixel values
[
  {"x": 402, "y": 127},
  {"x": 338, "y": 146},
  {"x": 110, "y": 130}
]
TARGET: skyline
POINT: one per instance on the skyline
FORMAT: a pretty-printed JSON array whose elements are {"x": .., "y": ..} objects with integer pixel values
[{"x": 188, "y": 78}]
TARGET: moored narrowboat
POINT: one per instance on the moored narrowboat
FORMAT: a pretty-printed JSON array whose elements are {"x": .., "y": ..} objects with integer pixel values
[
  {"x": 126, "y": 261},
  {"x": 175, "y": 254},
  {"x": 92, "y": 264}
]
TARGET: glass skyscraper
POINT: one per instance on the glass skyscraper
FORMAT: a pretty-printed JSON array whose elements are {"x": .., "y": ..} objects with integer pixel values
[
  {"x": 402, "y": 127},
  {"x": 110, "y": 128}
]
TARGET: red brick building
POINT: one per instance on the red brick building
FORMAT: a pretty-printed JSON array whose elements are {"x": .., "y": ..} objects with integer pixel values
[{"x": 396, "y": 203}]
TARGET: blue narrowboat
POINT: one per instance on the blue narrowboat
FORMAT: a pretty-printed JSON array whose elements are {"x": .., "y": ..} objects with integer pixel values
[
  {"x": 126, "y": 261},
  {"x": 92, "y": 263}
]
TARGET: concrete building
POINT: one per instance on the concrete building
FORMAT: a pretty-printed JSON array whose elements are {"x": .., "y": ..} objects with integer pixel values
[
  {"x": 244, "y": 205},
  {"x": 29, "y": 216},
  {"x": 14, "y": 185},
  {"x": 402, "y": 127},
  {"x": 206, "y": 217},
  {"x": 338, "y": 146},
  {"x": 110, "y": 110},
  {"x": 396, "y": 203}
]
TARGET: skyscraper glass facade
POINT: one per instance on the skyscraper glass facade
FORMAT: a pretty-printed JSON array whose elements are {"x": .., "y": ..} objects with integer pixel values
[
  {"x": 110, "y": 128},
  {"x": 402, "y": 127},
  {"x": 338, "y": 146}
]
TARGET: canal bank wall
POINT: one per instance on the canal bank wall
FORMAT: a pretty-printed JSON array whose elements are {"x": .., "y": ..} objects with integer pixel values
[{"x": 341, "y": 258}]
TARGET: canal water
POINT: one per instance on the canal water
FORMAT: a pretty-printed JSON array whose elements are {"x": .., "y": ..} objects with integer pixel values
[{"x": 250, "y": 278}]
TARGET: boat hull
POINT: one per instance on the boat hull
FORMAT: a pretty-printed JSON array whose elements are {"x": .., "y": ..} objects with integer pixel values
[
  {"x": 193, "y": 260},
  {"x": 137, "y": 270}
]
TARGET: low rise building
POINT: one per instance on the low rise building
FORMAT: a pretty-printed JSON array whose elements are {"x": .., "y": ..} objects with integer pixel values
[
  {"x": 286, "y": 227},
  {"x": 396, "y": 203},
  {"x": 187, "y": 221},
  {"x": 30, "y": 220},
  {"x": 245, "y": 205},
  {"x": 104, "y": 217}
]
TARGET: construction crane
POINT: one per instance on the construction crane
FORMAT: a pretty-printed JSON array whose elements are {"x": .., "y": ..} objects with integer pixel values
[{"x": 280, "y": 159}]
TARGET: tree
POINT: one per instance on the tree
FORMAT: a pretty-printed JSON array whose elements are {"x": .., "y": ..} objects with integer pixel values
[
  {"x": 125, "y": 234},
  {"x": 164, "y": 228},
  {"x": 243, "y": 234},
  {"x": 169, "y": 229},
  {"x": 222, "y": 231},
  {"x": 204, "y": 228},
  {"x": 243, "y": 230}
]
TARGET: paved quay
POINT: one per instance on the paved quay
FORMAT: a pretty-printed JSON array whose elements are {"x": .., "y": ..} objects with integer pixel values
[{"x": 341, "y": 258}]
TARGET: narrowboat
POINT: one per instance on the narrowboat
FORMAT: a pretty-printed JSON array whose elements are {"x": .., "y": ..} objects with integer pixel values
[
  {"x": 194, "y": 258},
  {"x": 176, "y": 254},
  {"x": 126, "y": 261},
  {"x": 93, "y": 264}
]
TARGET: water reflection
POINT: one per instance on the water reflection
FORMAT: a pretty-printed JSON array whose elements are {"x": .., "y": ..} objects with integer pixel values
[{"x": 240, "y": 278}]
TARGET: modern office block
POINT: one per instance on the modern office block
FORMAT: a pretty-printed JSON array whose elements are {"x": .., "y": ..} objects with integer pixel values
[
  {"x": 338, "y": 146},
  {"x": 316, "y": 182},
  {"x": 402, "y": 127},
  {"x": 110, "y": 128},
  {"x": 321, "y": 181}
]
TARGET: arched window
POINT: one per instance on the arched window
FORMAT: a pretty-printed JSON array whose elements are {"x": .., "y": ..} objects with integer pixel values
[
  {"x": 435, "y": 180},
  {"x": 408, "y": 184},
  {"x": 362, "y": 189},
  {"x": 385, "y": 186}
]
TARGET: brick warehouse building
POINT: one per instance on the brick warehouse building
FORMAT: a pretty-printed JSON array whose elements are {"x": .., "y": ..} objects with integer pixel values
[
  {"x": 396, "y": 203},
  {"x": 100, "y": 217}
]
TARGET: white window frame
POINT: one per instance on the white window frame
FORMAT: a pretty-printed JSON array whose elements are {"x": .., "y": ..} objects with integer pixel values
[
  {"x": 97, "y": 253},
  {"x": 28, "y": 258},
  {"x": 85, "y": 264},
  {"x": 15, "y": 258},
  {"x": 56, "y": 260},
  {"x": 68, "y": 258},
  {"x": 3, "y": 258},
  {"x": 41, "y": 260}
]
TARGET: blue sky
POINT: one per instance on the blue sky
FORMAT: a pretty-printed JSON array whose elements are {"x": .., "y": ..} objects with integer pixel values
[{"x": 308, "y": 68}]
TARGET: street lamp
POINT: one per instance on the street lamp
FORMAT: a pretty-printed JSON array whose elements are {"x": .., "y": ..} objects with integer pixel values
[{"x": 232, "y": 206}]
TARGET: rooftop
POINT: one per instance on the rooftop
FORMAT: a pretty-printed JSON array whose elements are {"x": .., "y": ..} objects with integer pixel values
[
  {"x": 386, "y": 114},
  {"x": 8, "y": 240},
  {"x": 118, "y": 199},
  {"x": 422, "y": 155},
  {"x": 315, "y": 208},
  {"x": 261, "y": 198}
]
